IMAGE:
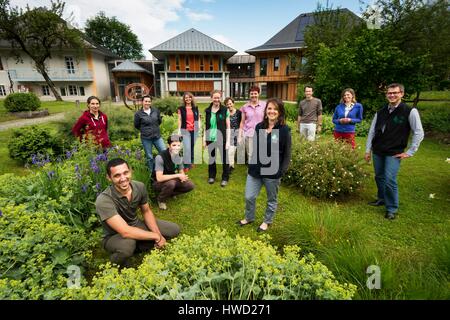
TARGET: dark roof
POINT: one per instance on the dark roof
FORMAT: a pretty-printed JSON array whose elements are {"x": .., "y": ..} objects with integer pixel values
[
  {"x": 129, "y": 66},
  {"x": 192, "y": 41},
  {"x": 293, "y": 35},
  {"x": 241, "y": 59}
]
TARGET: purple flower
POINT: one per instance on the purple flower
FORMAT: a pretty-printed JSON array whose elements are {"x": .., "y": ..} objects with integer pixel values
[
  {"x": 94, "y": 166},
  {"x": 128, "y": 153},
  {"x": 84, "y": 188},
  {"x": 34, "y": 159},
  {"x": 101, "y": 157},
  {"x": 97, "y": 186},
  {"x": 1, "y": 213},
  {"x": 51, "y": 174},
  {"x": 77, "y": 168},
  {"x": 68, "y": 154}
]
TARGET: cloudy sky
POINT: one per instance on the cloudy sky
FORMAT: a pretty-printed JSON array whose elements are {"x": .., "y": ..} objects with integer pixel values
[{"x": 240, "y": 24}]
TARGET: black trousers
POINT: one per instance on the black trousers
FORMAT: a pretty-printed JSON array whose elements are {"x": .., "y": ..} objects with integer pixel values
[{"x": 212, "y": 170}]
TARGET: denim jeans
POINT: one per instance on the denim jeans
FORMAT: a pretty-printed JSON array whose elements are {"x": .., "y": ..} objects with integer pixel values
[
  {"x": 252, "y": 189},
  {"x": 189, "y": 139},
  {"x": 386, "y": 170},
  {"x": 147, "y": 144}
]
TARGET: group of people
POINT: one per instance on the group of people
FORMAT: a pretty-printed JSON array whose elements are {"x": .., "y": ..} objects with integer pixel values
[
  {"x": 260, "y": 129},
  {"x": 346, "y": 115}
]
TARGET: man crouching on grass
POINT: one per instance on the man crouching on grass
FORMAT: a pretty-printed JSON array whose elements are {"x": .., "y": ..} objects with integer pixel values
[{"x": 117, "y": 206}]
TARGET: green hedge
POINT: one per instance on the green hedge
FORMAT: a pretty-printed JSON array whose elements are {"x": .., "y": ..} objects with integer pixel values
[
  {"x": 18, "y": 102},
  {"x": 325, "y": 169},
  {"x": 215, "y": 265}
]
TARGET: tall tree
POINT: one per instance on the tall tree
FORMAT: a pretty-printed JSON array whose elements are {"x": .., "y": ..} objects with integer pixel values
[
  {"x": 420, "y": 28},
  {"x": 114, "y": 35},
  {"x": 330, "y": 28},
  {"x": 38, "y": 33}
]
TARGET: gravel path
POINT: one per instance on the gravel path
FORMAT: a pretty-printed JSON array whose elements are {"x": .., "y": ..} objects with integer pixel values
[{"x": 27, "y": 122}]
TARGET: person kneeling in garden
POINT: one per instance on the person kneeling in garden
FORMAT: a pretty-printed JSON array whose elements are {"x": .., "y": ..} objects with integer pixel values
[
  {"x": 117, "y": 206},
  {"x": 168, "y": 176}
]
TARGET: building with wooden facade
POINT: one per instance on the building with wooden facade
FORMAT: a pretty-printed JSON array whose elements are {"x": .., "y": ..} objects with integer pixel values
[
  {"x": 193, "y": 62},
  {"x": 242, "y": 75},
  {"x": 276, "y": 60},
  {"x": 128, "y": 72}
]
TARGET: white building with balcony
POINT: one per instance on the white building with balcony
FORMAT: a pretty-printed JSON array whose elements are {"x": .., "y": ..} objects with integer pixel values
[{"x": 75, "y": 77}]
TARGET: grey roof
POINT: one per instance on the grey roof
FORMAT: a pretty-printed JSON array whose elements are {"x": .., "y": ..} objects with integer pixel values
[
  {"x": 293, "y": 35},
  {"x": 192, "y": 41},
  {"x": 129, "y": 66},
  {"x": 241, "y": 59}
]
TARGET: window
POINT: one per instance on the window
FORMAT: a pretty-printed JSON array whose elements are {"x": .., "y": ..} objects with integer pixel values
[
  {"x": 63, "y": 91},
  {"x": 276, "y": 64},
  {"x": 1, "y": 64},
  {"x": 2, "y": 90},
  {"x": 211, "y": 64},
  {"x": 263, "y": 67},
  {"x": 177, "y": 63},
  {"x": 187, "y": 63},
  {"x": 82, "y": 92},
  {"x": 202, "y": 65},
  {"x": 45, "y": 90},
  {"x": 70, "y": 65},
  {"x": 73, "y": 90}
]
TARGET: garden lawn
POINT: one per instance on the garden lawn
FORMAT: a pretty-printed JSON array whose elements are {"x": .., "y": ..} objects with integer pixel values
[
  {"x": 52, "y": 106},
  {"x": 412, "y": 251}
]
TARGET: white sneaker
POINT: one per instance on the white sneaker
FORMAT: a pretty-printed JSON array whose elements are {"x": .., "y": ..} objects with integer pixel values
[{"x": 162, "y": 205}]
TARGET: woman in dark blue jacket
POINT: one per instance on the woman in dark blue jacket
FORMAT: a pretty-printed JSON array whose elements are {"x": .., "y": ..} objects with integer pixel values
[
  {"x": 269, "y": 162},
  {"x": 147, "y": 121},
  {"x": 347, "y": 114}
]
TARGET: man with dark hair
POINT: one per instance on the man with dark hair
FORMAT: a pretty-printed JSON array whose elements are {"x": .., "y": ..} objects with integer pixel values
[
  {"x": 168, "y": 176},
  {"x": 309, "y": 115},
  {"x": 117, "y": 206},
  {"x": 388, "y": 138},
  {"x": 252, "y": 113}
]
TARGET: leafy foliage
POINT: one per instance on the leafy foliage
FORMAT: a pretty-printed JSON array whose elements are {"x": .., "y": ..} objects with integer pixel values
[
  {"x": 114, "y": 35},
  {"x": 167, "y": 105},
  {"x": 17, "y": 102},
  {"x": 325, "y": 169},
  {"x": 28, "y": 142},
  {"x": 214, "y": 265},
  {"x": 35, "y": 251}
]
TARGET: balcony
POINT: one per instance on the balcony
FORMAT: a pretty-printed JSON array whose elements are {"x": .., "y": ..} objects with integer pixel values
[{"x": 62, "y": 74}]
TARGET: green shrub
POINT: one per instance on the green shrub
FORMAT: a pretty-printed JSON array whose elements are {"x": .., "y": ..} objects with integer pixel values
[
  {"x": 325, "y": 169},
  {"x": 167, "y": 105},
  {"x": 168, "y": 126},
  {"x": 18, "y": 102},
  {"x": 215, "y": 265},
  {"x": 27, "y": 142},
  {"x": 35, "y": 251},
  {"x": 435, "y": 118},
  {"x": 291, "y": 111}
]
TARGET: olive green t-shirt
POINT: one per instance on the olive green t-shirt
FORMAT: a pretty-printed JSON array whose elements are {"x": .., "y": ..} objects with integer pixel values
[{"x": 110, "y": 203}]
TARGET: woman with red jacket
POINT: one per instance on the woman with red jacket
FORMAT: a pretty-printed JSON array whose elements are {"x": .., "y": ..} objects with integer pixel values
[{"x": 93, "y": 124}]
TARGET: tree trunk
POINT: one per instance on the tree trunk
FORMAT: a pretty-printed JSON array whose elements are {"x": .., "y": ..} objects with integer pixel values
[
  {"x": 416, "y": 100},
  {"x": 50, "y": 83}
]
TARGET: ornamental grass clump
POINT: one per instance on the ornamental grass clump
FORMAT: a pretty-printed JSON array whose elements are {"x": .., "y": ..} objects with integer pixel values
[
  {"x": 325, "y": 169},
  {"x": 214, "y": 265}
]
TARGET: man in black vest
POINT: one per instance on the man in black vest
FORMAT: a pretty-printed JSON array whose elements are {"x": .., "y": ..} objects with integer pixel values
[
  {"x": 388, "y": 139},
  {"x": 168, "y": 176}
]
